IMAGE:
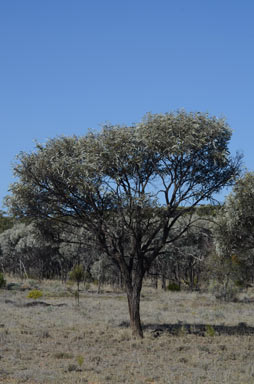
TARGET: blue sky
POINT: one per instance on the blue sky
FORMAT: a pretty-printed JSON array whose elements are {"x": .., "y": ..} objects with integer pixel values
[{"x": 67, "y": 66}]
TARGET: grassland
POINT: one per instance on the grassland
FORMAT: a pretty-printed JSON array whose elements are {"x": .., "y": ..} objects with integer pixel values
[{"x": 189, "y": 338}]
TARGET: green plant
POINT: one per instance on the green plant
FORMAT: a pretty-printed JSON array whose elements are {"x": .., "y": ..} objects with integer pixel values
[
  {"x": 80, "y": 360},
  {"x": 35, "y": 294},
  {"x": 77, "y": 274},
  {"x": 173, "y": 287},
  {"x": 210, "y": 331},
  {"x": 2, "y": 280},
  {"x": 108, "y": 182}
]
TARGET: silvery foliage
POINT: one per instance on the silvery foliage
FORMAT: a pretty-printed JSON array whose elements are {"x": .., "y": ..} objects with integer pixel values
[
  {"x": 22, "y": 247},
  {"x": 166, "y": 160},
  {"x": 233, "y": 260},
  {"x": 125, "y": 185},
  {"x": 234, "y": 230},
  {"x": 24, "y": 243}
]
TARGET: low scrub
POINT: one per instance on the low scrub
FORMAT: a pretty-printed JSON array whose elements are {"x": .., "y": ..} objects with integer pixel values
[
  {"x": 35, "y": 294},
  {"x": 173, "y": 287}
]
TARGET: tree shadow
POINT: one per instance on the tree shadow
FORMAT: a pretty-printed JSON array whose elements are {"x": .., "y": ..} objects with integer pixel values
[{"x": 181, "y": 329}]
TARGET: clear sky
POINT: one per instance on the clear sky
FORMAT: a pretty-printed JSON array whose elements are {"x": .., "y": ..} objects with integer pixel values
[{"x": 70, "y": 65}]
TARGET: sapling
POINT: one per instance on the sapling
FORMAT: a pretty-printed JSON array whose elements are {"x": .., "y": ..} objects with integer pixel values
[
  {"x": 77, "y": 274},
  {"x": 80, "y": 360}
]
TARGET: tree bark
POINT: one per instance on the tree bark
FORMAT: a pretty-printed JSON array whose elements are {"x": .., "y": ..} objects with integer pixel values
[{"x": 133, "y": 296}]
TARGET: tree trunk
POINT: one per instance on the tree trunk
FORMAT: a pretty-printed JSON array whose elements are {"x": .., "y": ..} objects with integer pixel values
[
  {"x": 155, "y": 282},
  {"x": 163, "y": 282},
  {"x": 133, "y": 296}
]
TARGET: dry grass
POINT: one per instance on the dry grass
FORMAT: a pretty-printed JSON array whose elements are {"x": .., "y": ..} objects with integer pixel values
[{"x": 189, "y": 338}]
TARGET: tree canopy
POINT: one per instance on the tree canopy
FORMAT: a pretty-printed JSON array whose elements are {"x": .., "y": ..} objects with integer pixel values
[
  {"x": 128, "y": 186},
  {"x": 235, "y": 223}
]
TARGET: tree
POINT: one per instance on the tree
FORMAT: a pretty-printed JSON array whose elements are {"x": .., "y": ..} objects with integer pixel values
[
  {"x": 183, "y": 261},
  {"x": 77, "y": 274},
  {"x": 128, "y": 186},
  {"x": 234, "y": 231},
  {"x": 23, "y": 250},
  {"x": 188, "y": 254}
]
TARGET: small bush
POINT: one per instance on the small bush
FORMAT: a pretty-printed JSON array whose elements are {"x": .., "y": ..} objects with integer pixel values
[
  {"x": 77, "y": 274},
  {"x": 35, "y": 294},
  {"x": 173, "y": 287},
  {"x": 80, "y": 360},
  {"x": 2, "y": 280},
  {"x": 210, "y": 331}
]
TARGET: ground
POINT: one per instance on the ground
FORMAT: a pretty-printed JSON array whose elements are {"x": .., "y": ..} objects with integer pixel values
[{"x": 189, "y": 338}]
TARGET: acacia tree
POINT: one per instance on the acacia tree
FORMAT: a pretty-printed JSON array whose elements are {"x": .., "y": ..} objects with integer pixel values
[
  {"x": 23, "y": 250},
  {"x": 234, "y": 230},
  {"x": 128, "y": 186}
]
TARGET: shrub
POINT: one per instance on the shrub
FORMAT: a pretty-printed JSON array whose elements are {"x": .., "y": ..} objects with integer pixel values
[
  {"x": 77, "y": 274},
  {"x": 210, "y": 331},
  {"x": 80, "y": 360},
  {"x": 35, "y": 294},
  {"x": 173, "y": 287},
  {"x": 2, "y": 280}
]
